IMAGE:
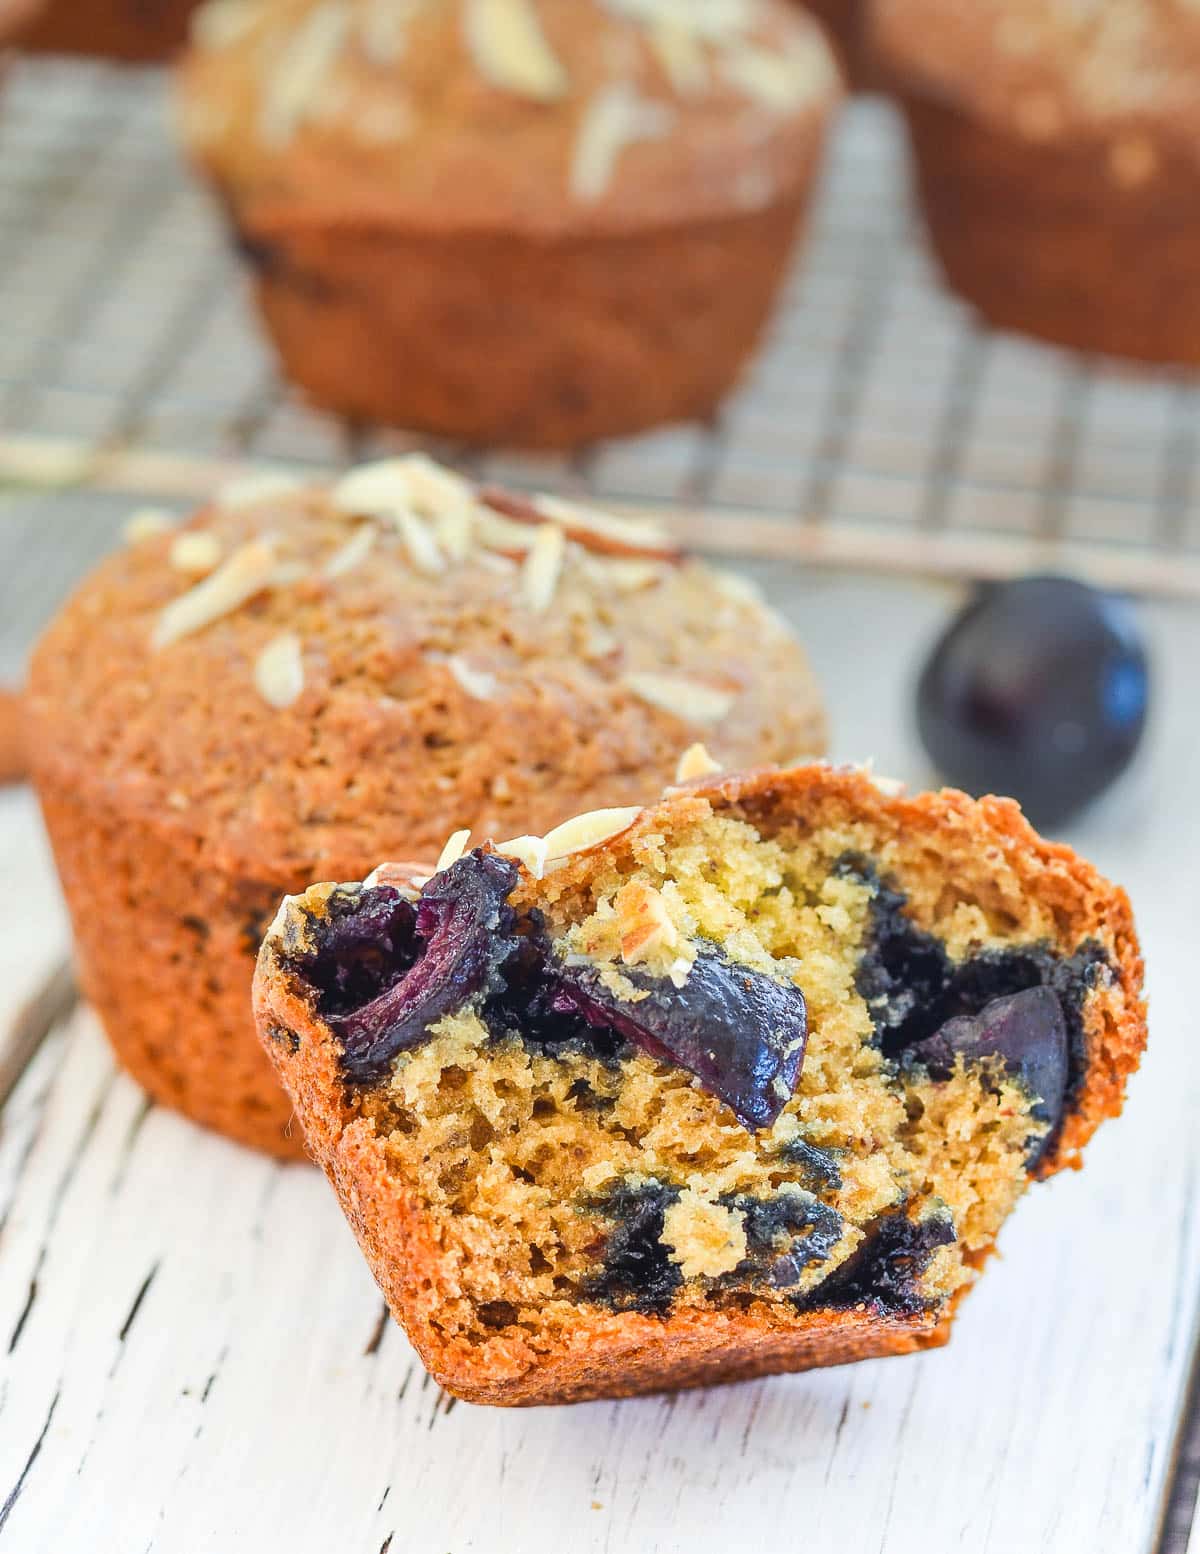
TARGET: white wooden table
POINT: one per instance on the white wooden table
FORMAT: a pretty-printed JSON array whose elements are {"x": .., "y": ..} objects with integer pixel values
[{"x": 198, "y": 1359}]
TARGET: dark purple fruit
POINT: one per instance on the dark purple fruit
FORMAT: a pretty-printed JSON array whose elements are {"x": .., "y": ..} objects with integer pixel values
[
  {"x": 1037, "y": 690},
  {"x": 1027, "y": 1031},
  {"x": 739, "y": 1031},
  {"x": 459, "y": 936},
  {"x": 886, "y": 1270}
]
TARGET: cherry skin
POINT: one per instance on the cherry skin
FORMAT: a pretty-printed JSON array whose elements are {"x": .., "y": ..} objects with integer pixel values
[{"x": 1038, "y": 690}]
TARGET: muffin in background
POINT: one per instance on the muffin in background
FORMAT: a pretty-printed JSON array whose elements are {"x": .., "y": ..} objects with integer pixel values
[
  {"x": 304, "y": 682},
  {"x": 1058, "y": 157},
  {"x": 119, "y": 29},
  {"x": 537, "y": 222}
]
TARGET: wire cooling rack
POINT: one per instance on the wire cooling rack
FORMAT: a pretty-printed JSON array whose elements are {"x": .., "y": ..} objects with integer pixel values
[{"x": 879, "y": 426}]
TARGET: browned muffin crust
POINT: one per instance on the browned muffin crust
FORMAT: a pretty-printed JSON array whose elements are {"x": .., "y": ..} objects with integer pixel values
[
  {"x": 12, "y": 736},
  {"x": 134, "y": 30},
  {"x": 591, "y": 203},
  {"x": 1056, "y": 150},
  {"x": 982, "y": 855},
  {"x": 845, "y": 22},
  {"x": 341, "y": 688}
]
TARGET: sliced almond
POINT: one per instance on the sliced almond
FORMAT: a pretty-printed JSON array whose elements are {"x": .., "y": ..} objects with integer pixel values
[
  {"x": 196, "y": 552},
  {"x": 781, "y": 80},
  {"x": 695, "y": 762},
  {"x": 476, "y": 682},
  {"x": 353, "y": 553},
  {"x": 587, "y": 831},
  {"x": 596, "y": 531},
  {"x": 250, "y": 569},
  {"x": 432, "y": 489},
  {"x": 691, "y": 700},
  {"x": 629, "y": 576},
  {"x": 681, "y": 54},
  {"x": 455, "y": 846},
  {"x": 615, "y": 119},
  {"x": 222, "y": 23},
  {"x": 308, "y": 54},
  {"x": 644, "y": 922},
  {"x": 543, "y": 568},
  {"x": 510, "y": 49},
  {"x": 418, "y": 540},
  {"x": 528, "y": 850},
  {"x": 250, "y": 490},
  {"x": 513, "y": 540},
  {"x": 279, "y": 670},
  {"x": 146, "y": 523},
  {"x": 407, "y": 878}
]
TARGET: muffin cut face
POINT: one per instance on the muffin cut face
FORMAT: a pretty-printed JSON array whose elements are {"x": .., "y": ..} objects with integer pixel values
[{"x": 753, "y": 1081}]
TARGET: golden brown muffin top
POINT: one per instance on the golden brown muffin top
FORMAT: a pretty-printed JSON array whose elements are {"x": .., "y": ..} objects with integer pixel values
[
  {"x": 308, "y": 679},
  {"x": 543, "y": 114},
  {"x": 1051, "y": 68}
]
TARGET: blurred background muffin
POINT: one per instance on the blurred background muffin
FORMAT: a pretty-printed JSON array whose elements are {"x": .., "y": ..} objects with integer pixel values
[
  {"x": 1058, "y": 156},
  {"x": 306, "y": 681},
  {"x": 538, "y": 222},
  {"x": 121, "y": 29}
]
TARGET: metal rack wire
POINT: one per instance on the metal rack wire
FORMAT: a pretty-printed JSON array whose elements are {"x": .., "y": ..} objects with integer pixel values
[{"x": 879, "y": 426}]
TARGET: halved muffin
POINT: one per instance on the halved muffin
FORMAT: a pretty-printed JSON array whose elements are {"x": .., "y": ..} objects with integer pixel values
[{"x": 745, "y": 1082}]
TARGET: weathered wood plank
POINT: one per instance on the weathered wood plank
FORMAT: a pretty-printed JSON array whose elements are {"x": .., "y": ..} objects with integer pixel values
[{"x": 199, "y": 1363}]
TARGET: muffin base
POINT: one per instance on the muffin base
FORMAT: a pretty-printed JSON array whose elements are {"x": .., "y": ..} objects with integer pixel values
[
  {"x": 494, "y": 338},
  {"x": 165, "y": 952},
  {"x": 130, "y": 29},
  {"x": 1046, "y": 239}
]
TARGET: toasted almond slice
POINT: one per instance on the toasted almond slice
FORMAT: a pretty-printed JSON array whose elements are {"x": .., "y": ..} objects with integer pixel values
[
  {"x": 301, "y": 70},
  {"x": 691, "y": 700},
  {"x": 514, "y": 540},
  {"x": 145, "y": 523},
  {"x": 353, "y": 553},
  {"x": 681, "y": 54},
  {"x": 695, "y": 762},
  {"x": 279, "y": 670},
  {"x": 422, "y": 548},
  {"x": 476, "y": 682},
  {"x": 543, "y": 568},
  {"x": 250, "y": 490},
  {"x": 407, "y": 878},
  {"x": 615, "y": 119},
  {"x": 529, "y": 850},
  {"x": 455, "y": 846},
  {"x": 645, "y": 924},
  {"x": 251, "y": 568},
  {"x": 510, "y": 49},
  {"x": 433, "y": 490},
  {"x": 587, "y": 831},
  {"x": 196, "y": 551},
  {"x": 453, "y": 531},
  {"x": 781, "y": 80},
  {"x": 629, "y": 576},
  {"x": 597, "y": 531},
  {"x": 221, "y": 23}
]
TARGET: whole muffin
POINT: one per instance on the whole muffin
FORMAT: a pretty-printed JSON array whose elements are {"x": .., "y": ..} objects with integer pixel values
[
  {"x": 119, "y": 29},
  {"x": 303, "y": 681},
  {"x": 1058, "y": 154},
  {"x": 529, "y": 221}
]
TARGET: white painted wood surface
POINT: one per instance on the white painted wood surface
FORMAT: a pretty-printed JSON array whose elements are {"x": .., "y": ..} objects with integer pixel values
[{"x": 198, "y": 1362}]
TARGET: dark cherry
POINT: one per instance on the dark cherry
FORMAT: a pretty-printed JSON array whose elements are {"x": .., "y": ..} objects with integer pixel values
[
  {"x": 1038, "y": 689},
  {"x": 461, "y": 934},
  {"x": 739, "y": 1031},
  {"x": 1027, "y": 1030},
  {"x": 885, "y": 1272}
]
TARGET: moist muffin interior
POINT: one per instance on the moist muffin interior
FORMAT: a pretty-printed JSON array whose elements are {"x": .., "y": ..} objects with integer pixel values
[{"x": 564, "y": 1165}]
